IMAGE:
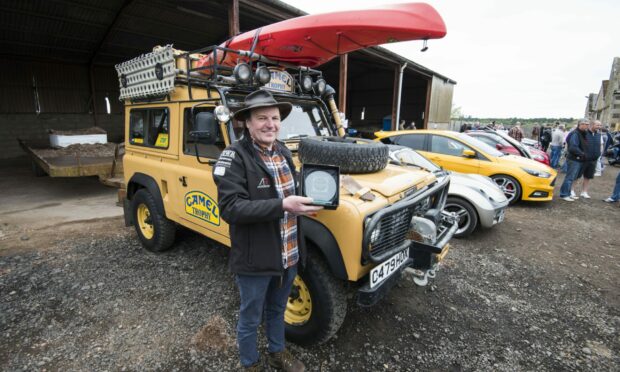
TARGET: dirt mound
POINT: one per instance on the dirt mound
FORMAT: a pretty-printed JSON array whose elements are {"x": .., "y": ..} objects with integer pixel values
[
  {"x": 214, "y": 336},
  {"x": 83, "y": 150},
  {"x": 78, "y": 132}
]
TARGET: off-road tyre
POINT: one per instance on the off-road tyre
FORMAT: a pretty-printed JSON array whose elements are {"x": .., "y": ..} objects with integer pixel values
[
  {"x": 163, "y": 230},
  {"x": 352, "y": 155},
  {"x": 503, "y": 181},
  {"x": 329, "y": 304},
  {"x": 468, "y": 218}
]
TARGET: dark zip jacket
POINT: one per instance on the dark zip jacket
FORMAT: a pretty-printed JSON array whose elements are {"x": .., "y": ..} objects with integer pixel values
[
  {"x": 249, "y": 203},
  {"x": 576, "y": 143}
]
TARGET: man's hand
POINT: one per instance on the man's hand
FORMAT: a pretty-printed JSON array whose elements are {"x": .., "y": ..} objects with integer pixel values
[{"x": 299, "y": 205}]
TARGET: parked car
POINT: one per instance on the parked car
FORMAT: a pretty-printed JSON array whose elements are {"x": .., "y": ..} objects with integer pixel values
[
  {"x": 530, "y": 143},
  {"x": 509, "y": 145},
  {"x": 476, "y": 200},
  {"x": 518, "y": 177}
]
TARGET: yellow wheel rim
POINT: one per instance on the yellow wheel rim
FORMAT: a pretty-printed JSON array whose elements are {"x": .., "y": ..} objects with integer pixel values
[
  {"x": 144, "y": 221},
  {"x": 299, "y": 305}
]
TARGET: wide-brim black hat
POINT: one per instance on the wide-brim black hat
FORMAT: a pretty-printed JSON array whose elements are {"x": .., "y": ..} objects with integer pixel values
[{"x": 260, "y": 99}]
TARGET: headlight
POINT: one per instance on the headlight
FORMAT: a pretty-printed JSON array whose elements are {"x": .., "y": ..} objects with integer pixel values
[
  {"x": 537, "y": 173},
  {"x": 222, "y": 113},
  {"x": 319, "y": 87},
  {"x": 262, "y": 75},
  {"x": 538, "y": 157},
  {"x": 306, "y": 83},
  {"x": 242, "y": 73}
]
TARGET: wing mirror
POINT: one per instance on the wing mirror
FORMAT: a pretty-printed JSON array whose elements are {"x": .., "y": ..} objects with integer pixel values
[
  {"x": 205, "y": 128},
  {"x": 469, "y": 154},
  {"x": 499, "y": 146}
]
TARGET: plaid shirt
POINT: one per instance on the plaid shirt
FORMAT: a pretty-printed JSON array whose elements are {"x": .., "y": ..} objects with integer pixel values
[
  {"x": 516, "y": 133},
  {"x": 285, "y": 186}
]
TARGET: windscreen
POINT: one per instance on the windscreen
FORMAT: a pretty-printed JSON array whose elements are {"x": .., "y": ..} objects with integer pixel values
[
  {"x": 306, "y": 119},
  {"x": 409, "y": 156}
]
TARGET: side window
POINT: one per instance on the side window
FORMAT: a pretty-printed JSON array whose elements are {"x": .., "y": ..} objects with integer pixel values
[
  {"x": 447, "y": 146},
  {"x": 149, "y": 127},
  {"x": 486, "y": 140},
  {"x": 414, "y": 141},
  {"x": 191, "y": 144}
]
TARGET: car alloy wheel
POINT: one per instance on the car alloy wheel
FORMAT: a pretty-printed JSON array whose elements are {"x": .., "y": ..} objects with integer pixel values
[{"x": 509, "y": 186}]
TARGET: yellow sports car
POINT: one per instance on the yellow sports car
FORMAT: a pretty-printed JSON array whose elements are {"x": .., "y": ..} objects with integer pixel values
[{"x": 518, "y": 177}]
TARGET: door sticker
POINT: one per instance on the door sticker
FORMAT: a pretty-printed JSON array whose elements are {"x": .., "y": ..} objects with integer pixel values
[{"x": 202, "y": 206}]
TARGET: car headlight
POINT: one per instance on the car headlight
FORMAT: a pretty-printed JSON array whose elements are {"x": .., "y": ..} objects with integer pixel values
[
  {"x": 538, "y": 157},
  {"x": 537, "y": 173}
]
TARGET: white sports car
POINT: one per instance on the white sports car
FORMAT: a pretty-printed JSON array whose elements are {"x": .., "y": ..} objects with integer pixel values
[{"x": 476, "y": 199}]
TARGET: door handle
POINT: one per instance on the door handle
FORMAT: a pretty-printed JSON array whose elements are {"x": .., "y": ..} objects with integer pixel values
[{"x": 183, "y": 181}]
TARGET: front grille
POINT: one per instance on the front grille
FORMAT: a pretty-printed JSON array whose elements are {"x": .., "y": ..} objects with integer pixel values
[{"x": 392, "y": 231}]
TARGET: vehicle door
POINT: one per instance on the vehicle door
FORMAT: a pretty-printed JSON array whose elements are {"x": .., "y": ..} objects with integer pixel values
[
  {"x": 194, "y": 189},
  {"x": 448, "y": 153}
]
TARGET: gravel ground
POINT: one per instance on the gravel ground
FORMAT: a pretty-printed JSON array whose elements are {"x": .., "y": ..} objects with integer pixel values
[{"x": 539, "y": 292}]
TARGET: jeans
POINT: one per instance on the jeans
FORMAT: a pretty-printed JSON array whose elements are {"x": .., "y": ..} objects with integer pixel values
[
  {"x": 556, "y": 152},
  {"x": 574, "y": 169},
  {"x": 260, "y": 295},
  {"x": 616, "y": 193}
]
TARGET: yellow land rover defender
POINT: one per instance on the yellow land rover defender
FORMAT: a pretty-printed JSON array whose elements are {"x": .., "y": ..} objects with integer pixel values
[{"x": 178, "y": 121}]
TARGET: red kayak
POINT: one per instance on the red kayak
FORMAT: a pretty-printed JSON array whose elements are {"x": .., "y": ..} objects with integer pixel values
[{"x": 315, "y": 39}]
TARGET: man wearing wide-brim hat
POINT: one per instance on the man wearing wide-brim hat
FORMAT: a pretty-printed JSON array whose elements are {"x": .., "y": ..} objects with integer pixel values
[{"x": 255, "y": 179}]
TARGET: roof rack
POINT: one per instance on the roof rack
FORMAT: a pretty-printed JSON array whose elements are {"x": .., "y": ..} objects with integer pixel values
[{"x": 155, "y": 74}]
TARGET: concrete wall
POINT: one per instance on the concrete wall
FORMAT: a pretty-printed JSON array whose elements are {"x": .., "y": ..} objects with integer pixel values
[
  {"x": 34, "y": 129},
  {"x": 61, "y": 93},
  {"x": 440, "y": 106}
]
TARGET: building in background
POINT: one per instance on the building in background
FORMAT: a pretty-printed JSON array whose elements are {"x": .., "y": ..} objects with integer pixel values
[{"x": 605, "y": 106}]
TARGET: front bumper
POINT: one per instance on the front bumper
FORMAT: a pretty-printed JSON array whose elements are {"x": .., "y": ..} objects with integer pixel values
[
  {"x": 539, "y": 189},
  {"x": 492, "y": 214},
  {"x": 422, "y": 256}
]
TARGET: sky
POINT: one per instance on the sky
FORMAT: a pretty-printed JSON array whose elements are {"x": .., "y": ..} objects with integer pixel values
[{"x": 523, "y": 59}]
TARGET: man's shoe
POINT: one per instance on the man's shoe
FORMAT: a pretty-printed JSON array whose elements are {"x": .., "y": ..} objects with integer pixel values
[
  {"x": 573, "y": 195},
  {"x": 567, "y": 198},
  {"x": 285, "y": 361},
  {"x": 585, "y": 195},
  {"x": 609, "y": 200}
]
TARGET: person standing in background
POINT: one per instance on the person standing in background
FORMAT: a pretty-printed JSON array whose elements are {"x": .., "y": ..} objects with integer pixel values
[
  {"x": 592, "y": 153},
  {"x": 516, "y": 132},
  {"x": 557, "y": 141},
  {"x": 575, "y": 158},
  {"x": 535, "y": 132}
]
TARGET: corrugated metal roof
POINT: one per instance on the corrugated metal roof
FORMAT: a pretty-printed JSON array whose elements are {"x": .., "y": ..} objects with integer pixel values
[{"x": 112, "y": 31}]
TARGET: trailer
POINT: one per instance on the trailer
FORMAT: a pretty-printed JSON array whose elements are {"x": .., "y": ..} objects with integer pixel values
[{"x": 79, "y": 160}]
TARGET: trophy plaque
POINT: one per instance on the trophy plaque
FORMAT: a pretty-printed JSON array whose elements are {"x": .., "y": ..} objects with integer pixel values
[{"x": 322, "y": 184}]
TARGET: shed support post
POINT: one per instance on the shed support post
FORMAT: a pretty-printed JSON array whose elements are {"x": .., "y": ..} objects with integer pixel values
[
  {"x": 233, "y": 18},
  {"x": 427, "y": 108},
  {"x": 342, "y": 89},
  {"x": 93, "y": 97},
  {"x": 398, "y": 90}
]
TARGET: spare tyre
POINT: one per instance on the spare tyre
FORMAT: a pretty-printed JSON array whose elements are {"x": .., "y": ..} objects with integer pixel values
[{"x": 352, "y": 155}]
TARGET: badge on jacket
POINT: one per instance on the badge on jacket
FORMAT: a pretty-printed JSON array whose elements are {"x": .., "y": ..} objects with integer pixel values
[{"x": 264, "y": 183}]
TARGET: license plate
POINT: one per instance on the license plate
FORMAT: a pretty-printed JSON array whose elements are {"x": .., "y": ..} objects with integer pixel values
[{"x": 388, "y": 267}]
